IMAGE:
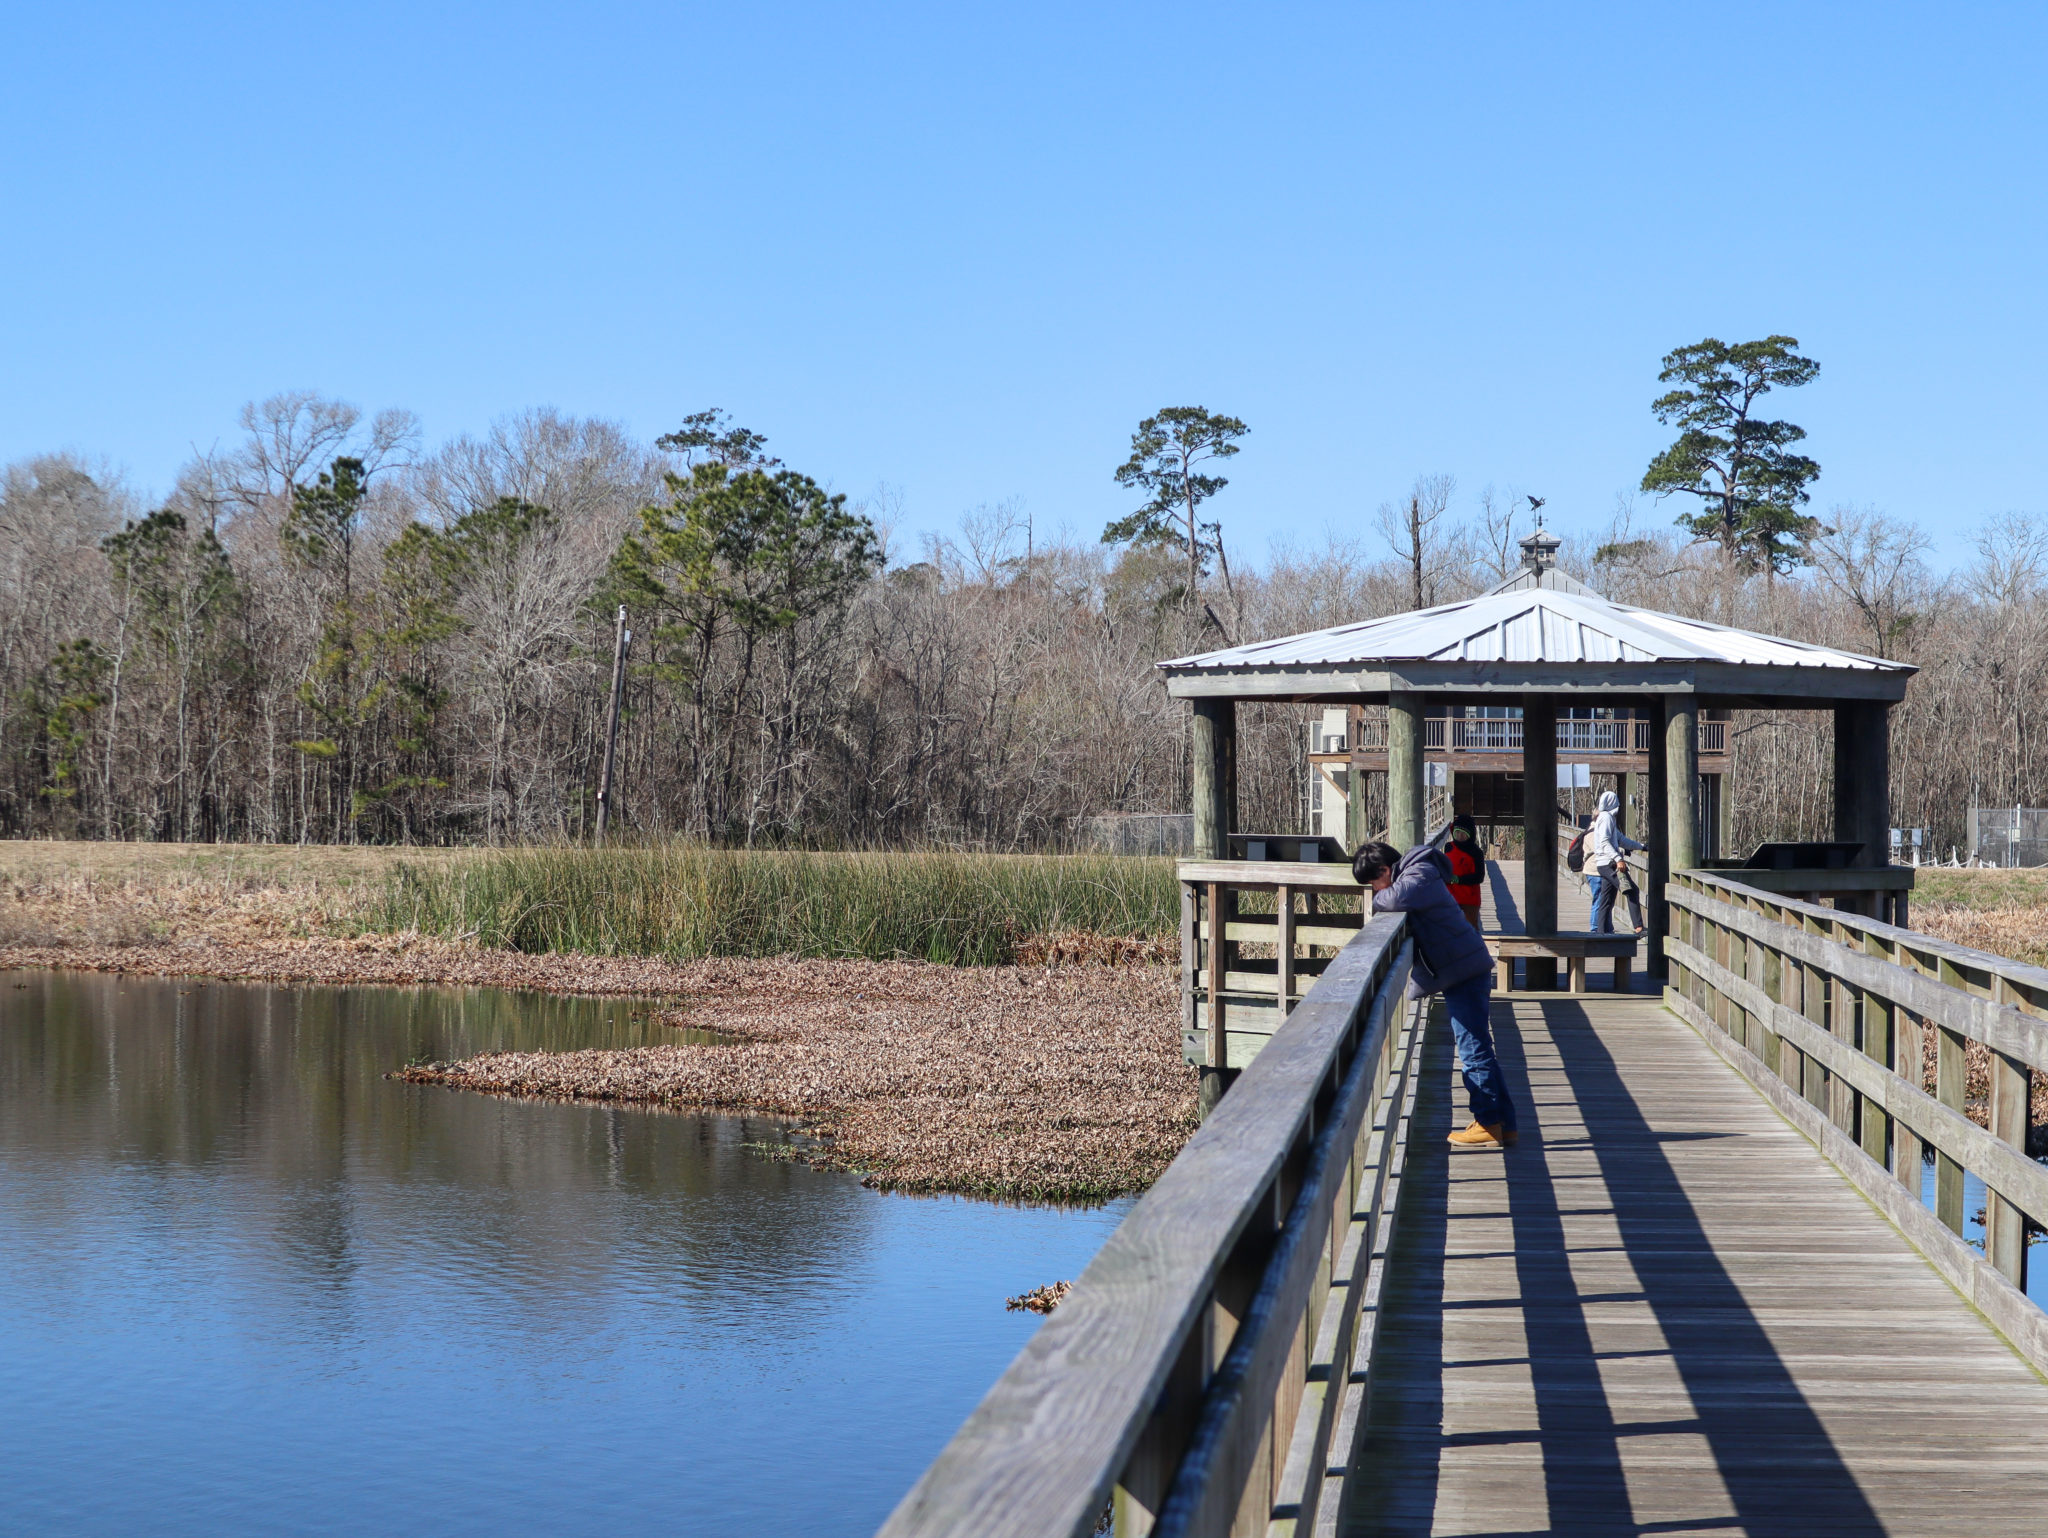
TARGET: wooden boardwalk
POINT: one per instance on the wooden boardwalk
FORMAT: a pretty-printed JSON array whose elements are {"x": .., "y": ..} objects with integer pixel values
[{"x": 1664, "y": 1312}]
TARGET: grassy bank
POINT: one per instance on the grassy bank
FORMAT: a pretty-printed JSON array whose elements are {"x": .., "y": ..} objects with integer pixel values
[{"x": 684, "y": 901}]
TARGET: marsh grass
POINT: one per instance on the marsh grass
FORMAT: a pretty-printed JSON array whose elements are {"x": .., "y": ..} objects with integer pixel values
[{"x": 685, "y": 901}]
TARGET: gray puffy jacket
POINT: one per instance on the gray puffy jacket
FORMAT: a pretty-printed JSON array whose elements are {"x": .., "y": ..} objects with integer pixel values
[{"x": 1448, "y": 951}]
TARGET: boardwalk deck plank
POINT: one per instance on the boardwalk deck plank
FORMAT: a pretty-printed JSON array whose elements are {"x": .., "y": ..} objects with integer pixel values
[{"x": 1665, "y": 1312}]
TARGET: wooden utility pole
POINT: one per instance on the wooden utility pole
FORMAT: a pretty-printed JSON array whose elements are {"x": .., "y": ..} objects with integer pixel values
[{"x": 621, "y": 639}]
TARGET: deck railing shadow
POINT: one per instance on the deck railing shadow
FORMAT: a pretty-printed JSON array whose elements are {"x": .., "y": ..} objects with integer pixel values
[{"x": 1747, "y": 1405}]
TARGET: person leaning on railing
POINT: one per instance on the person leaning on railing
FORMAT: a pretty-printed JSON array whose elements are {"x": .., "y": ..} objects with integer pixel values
[{"x": 1452, "y": 960}]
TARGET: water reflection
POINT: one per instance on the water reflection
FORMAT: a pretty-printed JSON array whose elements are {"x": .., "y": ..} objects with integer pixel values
[{"x": 249, "y": 1283}]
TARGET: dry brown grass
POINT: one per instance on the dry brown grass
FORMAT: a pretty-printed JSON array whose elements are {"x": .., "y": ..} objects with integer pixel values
[
  {"x": 91, "y": 896},
  {"x": 1061, "y": 1080},
  {"x": 2004, "y": 912}
]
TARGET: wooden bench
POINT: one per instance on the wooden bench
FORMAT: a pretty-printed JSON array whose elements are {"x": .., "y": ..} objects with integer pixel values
[{"x": 1572, "y": 949}]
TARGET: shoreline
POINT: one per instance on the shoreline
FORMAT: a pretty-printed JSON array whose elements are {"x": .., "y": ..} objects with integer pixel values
[{"x": 1031, "y": 1084}]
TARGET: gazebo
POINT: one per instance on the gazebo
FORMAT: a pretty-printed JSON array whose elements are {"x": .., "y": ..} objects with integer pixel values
[{"x": 1540, "y": 640}]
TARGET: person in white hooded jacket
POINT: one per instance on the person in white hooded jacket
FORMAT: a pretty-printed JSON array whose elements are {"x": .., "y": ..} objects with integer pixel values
[{"x": 1606, "y": 845}]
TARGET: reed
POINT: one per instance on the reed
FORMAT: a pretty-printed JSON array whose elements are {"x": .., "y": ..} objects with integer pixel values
[{"x": 684, "y": 901}]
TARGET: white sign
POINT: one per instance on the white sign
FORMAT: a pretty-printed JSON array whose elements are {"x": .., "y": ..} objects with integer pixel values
[
  {"x": 1574, "y": 776},
  {"x": 1436, "y": 774}
]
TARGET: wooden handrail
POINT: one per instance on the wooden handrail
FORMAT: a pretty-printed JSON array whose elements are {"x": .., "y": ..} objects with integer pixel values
[
  {"x": 1825, "y": 1011},
  {"x": 1211, "y": 1364}
]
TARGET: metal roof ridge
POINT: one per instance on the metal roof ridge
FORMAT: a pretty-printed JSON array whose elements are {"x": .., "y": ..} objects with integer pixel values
[{"x": 1591, "y": 608}]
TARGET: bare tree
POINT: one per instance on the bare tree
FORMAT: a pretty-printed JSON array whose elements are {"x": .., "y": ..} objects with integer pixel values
[
  {"x": 1410, "y": 530},
  {"x": 1875, "y": 562}
]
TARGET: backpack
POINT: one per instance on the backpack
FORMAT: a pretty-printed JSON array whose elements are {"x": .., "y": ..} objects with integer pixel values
[{"x": 1575, "y": 857}]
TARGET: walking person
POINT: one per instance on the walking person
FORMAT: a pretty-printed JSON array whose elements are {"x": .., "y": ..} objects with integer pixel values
[
  {"x": 1606, "y": 850},
  {"x": 1452, "y": 960},
  {"x": 1468, "y": 867}
]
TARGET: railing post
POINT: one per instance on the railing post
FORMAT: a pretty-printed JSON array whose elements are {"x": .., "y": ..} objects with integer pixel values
[
  {"x": 1283, "y": 945},
  {"x": 2005, "y": 1226},
  {"x": 1774, "y": 990},
  {"x": 1842, "y": 1096},
  {"x": 1951, "y": 1078},
  {"x": 1813, "y": 1004},
  {"x": 1221, "y": 906},
  {"x": 1878, "y": 1039}
]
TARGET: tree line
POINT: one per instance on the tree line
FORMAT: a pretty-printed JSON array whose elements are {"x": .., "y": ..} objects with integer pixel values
[{"x": 329, "y": 632}]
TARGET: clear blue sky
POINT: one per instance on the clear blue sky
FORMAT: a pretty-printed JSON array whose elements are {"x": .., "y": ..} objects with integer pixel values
[{"x": 961, "y": 250}]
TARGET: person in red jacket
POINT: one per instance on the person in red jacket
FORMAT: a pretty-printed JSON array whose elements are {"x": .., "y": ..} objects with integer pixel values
[{"x": 1468, "y": 867}]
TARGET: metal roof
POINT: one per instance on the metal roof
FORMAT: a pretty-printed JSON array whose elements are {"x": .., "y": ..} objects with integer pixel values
[{"x": 1533, "y": 624}]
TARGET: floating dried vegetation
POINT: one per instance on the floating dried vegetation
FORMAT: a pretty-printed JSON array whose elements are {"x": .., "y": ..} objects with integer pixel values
[
  {"x": 1006, "y": 1082},
  {"x": 1039, "y": 1300}
]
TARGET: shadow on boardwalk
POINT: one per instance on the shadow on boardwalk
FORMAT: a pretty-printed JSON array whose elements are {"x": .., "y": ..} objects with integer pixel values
[{"x": 1661, "y": 1313}]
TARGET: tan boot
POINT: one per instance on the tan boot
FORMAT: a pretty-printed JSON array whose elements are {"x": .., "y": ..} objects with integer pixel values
[{"x": 1476, "y": 1136}]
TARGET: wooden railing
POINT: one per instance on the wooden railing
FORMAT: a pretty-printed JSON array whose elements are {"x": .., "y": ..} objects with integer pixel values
[
  {"x": 1829, "y": 1015},
  {"x": 1503, "y": 734},
  {"x": 1211, "y": 1370}
]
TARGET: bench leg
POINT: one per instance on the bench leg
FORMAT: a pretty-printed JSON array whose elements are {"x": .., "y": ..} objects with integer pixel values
[
  {"x": 1622, "y": 969},
  {"x": 1503, "y": 974},
  {"x": 1575, "y": 970}
]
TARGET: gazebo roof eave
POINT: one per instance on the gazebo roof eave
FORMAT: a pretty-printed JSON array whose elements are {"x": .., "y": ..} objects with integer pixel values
[{"x": 1768, "y": 685}]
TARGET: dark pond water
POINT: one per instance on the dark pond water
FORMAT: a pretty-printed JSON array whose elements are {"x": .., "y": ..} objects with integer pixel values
[{"x": 250, "y": 1285}]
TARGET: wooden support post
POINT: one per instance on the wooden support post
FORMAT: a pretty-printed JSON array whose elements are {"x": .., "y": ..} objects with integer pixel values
[
  {"x": 1774, "y": 990},
  {"x": 1283, "y": 907},
  {"x": 1724, "y": 816},
  {"x": 1539, "y": 831},
  {"x": 1213, "y": 776},
  {"x": 1681, "y": 830},
  {"x": 1221, "y": 905},
  {"x": 1878, "y": 1038},
  {"x": 1863, "y": 810},
  {"x": 2005, "y": 1230},
  {"x": 1404, "y": 771},
  {"x": 1575, "y": 973},
  {"x": 1949, "y": 1077},
  {"x": 1842, "y": 1096},
  {"x": 1909, "y": 1062},
  {"x": 2005, "y": 1226},
  {"x": 1657, "y": 815},
  {"x": 1635, "y": 806},
  {"x": 1813, "y": 1003}
]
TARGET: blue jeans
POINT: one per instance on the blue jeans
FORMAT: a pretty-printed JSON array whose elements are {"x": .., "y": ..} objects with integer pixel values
[
  {"x": 1468, "y": 1005},
  {"x": 1606, "y": 887}
]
